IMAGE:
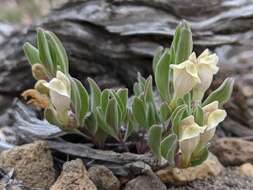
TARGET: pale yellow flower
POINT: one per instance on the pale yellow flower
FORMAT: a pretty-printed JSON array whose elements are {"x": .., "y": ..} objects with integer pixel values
[
  {"x": 189, "y": 138},
  {"x": 212, "y": 117},
  {"x": 185, "y": 76},
  {"x": 59, "y": 92},
  {"x": 207, "y": 67}
]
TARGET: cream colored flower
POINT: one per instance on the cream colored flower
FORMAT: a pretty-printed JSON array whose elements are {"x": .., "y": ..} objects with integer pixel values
[
  {"x": 207, "y": 67},
  {"x": 212, "y": 117},
  {"x": 189, "y": 138},
  {"x": 185, "y": 76},
  {"x": 59, "y": 92}
]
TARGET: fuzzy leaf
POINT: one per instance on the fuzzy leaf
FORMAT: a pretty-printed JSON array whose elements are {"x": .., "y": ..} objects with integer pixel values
[
  {"x": 148, "y": 91},
  {"x": 221, "y": 94},
  {"x": 105, "y": 99},
  {"x": 51, "y": 116},
  {"x": 168, "y": 148},
  {"x": 184, "y": 44},
  {"x": 130, "y": 126},
  {"x": 112, "y": 117},
  {"x": 177, "y": 117},
  {"x": 157, "y": 55},
  {"x": 44, "y": 52},
  {"x": 139, "y": 112},
  {"x": 95, "y": 94},
  {"x": 162, "y": 75},
  {"x": 103, "y": 124},
  {"x": 154, "y": 140},
  {"x": 90, "y": 123},
  {"x": 32, "y": 53},
  {"x": 80, "y": 100},
  {"x": 165, "y": 111},
  {"x": 203, "y": 155},
  {"x": 152, "y": 115},
  {"x": 199, "y": 116},
  {"x": 59, "y": 52}
]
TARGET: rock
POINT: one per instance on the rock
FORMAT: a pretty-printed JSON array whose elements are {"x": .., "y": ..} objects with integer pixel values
[
  {"x": 211, "y": 167},
  {"x": 74, "y": 176},
  {"x": 233, "y": 151},
  {"x": 32, "y": 164},
  {"x": 246, "y": 169},
  {"x": 103, "y": 178},
  {"x": 148, "y": 181}
]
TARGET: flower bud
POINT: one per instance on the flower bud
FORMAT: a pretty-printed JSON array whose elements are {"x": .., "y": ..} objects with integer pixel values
[
  {"x": 39, "y": 71},
  {"x": 40, "y": 87}
]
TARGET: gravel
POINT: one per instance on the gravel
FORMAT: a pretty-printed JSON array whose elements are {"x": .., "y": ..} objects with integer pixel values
[{"x": 229, "y": 180}]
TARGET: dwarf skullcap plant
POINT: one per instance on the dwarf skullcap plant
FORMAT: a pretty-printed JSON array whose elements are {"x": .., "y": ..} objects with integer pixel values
[{"x": 177, "y": 129}]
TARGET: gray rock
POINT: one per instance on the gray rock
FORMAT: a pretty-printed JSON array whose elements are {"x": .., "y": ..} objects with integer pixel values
[
  {"x": 232, "y": 151},
  {"x": 103, "y": 178},
  {"x": 74, "y": 176},
  {"x": 148, "y": 181},
  {"x": 32, "y": 164}
]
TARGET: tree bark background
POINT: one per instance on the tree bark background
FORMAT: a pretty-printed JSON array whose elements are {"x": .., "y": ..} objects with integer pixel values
[{"x": 112, "y": 40}]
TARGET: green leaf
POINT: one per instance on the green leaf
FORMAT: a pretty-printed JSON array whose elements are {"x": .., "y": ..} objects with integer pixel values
[
  {"x": 203, "y": 155},
  {"x": 95, "y": 94},
  {"x": 165, "y": 111},
  {"x": 174, "y": 44},
  {"x": 112, "y": 117},
  {"x": 32, "y": 53},
  {"x": 51, "y": 116},
  {"x": 199, "y": 116},
  {"x": 177, "y": 117},
  {"x": 90, "y": 123},
  {"x": 123, "y": 97},
  {"x": 184, "y": 43},
  {"x": 221, "y": 94},
  {"x": 60, "y": 52},
  {"x": 157, "y": 55},
  {"x": 152, "y": 115},
  {"x": 168, "y": 148},
  {"x": 44, "y": 52},
  {"x": 80, "y": 100},
  {"x": 148, "y": 91},
  {"x": 105, "y": 99},
  {"x": 162, "y": 75},
  {"x": 154, "y": 140},
  {"x": 130, "y": 125},
  {"x": 139, "y": 112},
  {"x": 102, "y": 124}
]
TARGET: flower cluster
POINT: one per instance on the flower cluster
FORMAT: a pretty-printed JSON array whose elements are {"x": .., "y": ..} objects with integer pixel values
[{"x": 178, "y": 129}]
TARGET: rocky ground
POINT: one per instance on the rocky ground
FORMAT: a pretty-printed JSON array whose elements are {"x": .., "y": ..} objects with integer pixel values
[{"x": 32, "y": 167}]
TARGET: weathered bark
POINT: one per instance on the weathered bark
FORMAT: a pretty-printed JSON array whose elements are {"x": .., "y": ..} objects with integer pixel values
[{"x": 112, "y": 40}]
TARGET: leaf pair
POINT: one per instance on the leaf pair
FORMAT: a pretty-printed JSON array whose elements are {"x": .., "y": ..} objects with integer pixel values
[
  {"x": 50, "y": 53},
  {"x": 143, "y": 106},
  {"x": 165, "y": 147},
  {"x": 179, "y": 51}
]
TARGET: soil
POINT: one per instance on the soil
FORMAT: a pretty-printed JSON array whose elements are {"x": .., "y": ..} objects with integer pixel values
[{"x": 229, "y": 180}]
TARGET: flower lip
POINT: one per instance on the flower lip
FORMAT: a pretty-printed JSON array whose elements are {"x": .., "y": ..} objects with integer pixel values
[
  {"x": 190, "y": 129},
  {"x": 57, "y": 86}
]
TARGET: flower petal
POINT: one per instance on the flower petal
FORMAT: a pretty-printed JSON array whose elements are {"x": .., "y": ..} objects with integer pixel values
[{"x": 215, "y": 118}]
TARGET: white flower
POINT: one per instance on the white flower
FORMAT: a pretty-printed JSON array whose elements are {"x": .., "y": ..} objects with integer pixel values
[
  {"x": 59, "y": 92},
  {"x": 207, "y": 67},
  {"x": 212, "y": 117},
  {"x": 185, "y": 76},
  {"x": 189, "y": 138}
]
